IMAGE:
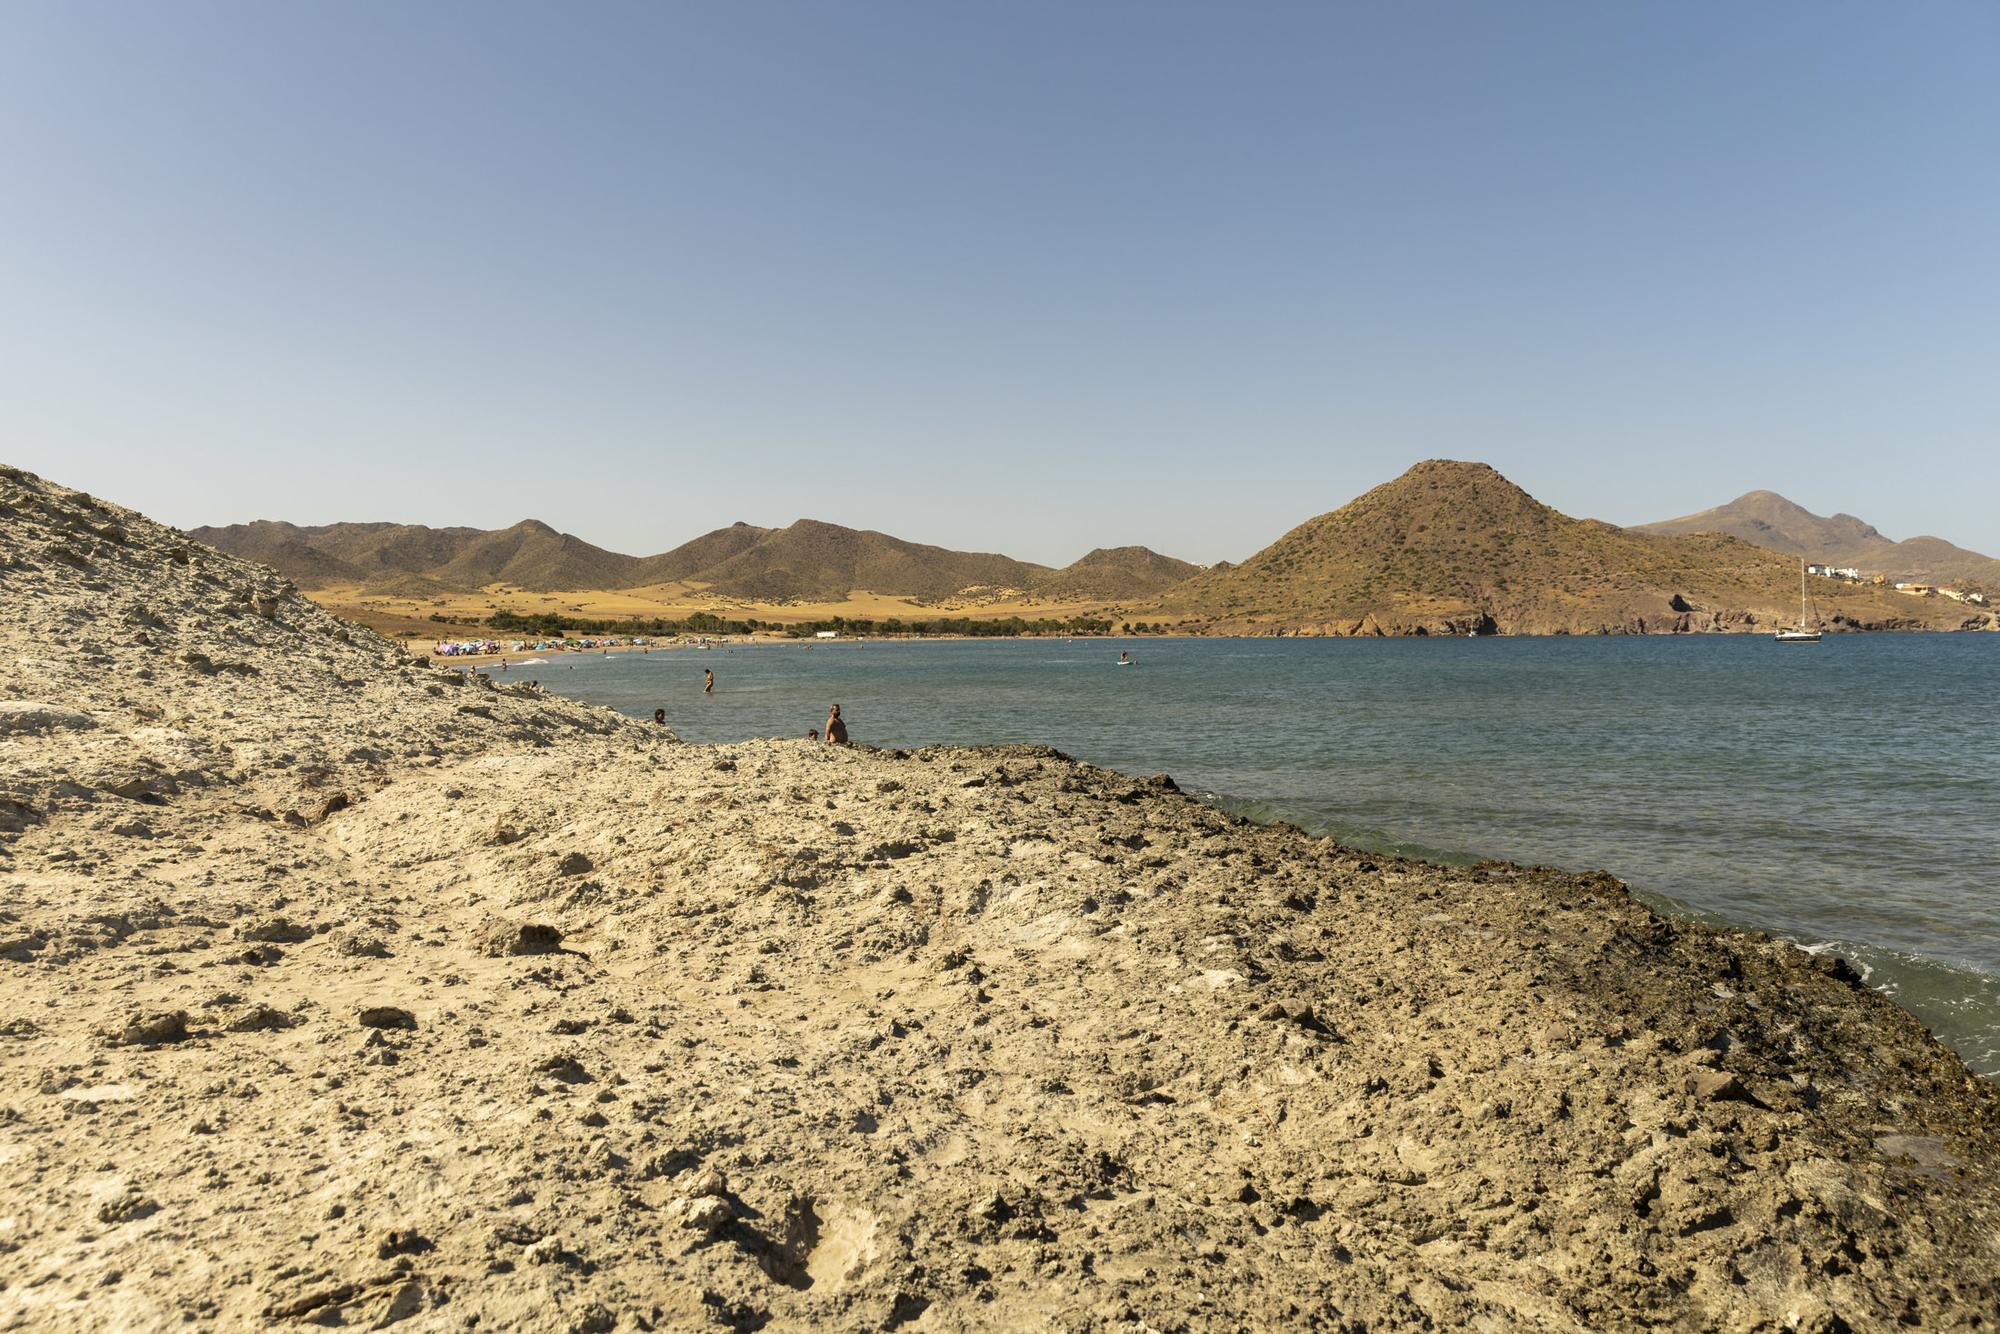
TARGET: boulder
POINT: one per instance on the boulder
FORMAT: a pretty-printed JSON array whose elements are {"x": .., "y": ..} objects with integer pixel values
[
  {"x": 149, "y": 1030},
  {"x": 499, "y": 939},
  {"x": 276, "y": 931}
]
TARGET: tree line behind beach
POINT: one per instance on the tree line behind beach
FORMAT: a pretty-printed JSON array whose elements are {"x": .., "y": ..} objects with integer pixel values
[{"x": 549, "y": 625}]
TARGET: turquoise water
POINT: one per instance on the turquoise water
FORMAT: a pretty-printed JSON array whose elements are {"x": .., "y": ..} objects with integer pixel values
[{"x": 1844, "y": 794}]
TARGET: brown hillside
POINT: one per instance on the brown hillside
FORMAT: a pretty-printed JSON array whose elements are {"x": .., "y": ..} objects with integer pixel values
[
  {"x": 378, "y": 554},
  {"x": 534, "y": 556},
  {"x": 413, "y": 558},
  {"x": 1454, "y": 547},
  {"x": 392, "y": 549},
  {"x": 1767, "y": 519},
  {"x": 689, "y": 559},
  {"x": 285, "y": 547},
  {"x": 1116, "y": 574},
  {"x": 809, "y": 560},
  {"x": 1448, "y": 547},
  {"x": 812, "y": 559}
]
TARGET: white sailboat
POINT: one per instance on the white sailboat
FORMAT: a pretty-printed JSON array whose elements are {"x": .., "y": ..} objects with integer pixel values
[{"x": 1804, "y": 634}]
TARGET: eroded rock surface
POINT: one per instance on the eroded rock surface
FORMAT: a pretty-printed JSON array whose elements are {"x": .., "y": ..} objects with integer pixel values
[{"x": 824, "y": 1037}]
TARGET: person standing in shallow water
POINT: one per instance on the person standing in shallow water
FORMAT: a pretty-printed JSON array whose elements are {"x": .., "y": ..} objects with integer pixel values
[
  {"x": 836, "y": 730},
  {"x": 707, "y": 682}
]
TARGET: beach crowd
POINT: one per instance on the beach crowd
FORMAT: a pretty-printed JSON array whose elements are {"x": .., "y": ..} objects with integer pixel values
[{"x": 467, "y": 648}]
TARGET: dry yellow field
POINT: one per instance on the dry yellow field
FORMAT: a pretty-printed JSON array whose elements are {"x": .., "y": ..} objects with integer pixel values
[{"x": 464, "y": 614}]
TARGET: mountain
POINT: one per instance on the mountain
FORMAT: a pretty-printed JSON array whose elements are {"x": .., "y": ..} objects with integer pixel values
[
  {"x": 285, "y": 547},
  {"x": 815, "y": 561},
  {"x": 1448, "y": 547},
  {"x": 379, "y": 550},
  {"x": 1767, "y": 519},
  {"x": 414, "y": 558},
  {"x": 809, "y": 560},
  {"x": 689, "y": 559},
  {"x": 1452, "y": 548},
  {"x": 1115, "y": 574},
  {"x": 533, "y": 555}
]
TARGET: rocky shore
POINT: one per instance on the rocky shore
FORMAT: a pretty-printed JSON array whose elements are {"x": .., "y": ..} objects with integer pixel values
[{"x": 339, "y": 989}]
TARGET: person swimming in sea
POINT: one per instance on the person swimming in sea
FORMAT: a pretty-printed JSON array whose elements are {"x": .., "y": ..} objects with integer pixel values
[
  {"x": 836, "y": 730},
  {"x": 707, "y": 682}
]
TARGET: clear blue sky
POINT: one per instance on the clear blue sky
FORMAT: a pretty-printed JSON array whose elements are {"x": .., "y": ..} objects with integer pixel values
[{"x": 1016, "y": 276}]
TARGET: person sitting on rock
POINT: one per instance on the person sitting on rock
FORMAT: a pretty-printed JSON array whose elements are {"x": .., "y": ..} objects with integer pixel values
[
  {"x": 812, "y": 734},
  {"x": 660, "y": 717},
  {"x": 836, "y": 730}
]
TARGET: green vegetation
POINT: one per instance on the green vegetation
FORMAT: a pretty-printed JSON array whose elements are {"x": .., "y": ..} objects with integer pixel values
[
  {"x": 955, "y": 625},
  {"x": 550, "y": 625}
]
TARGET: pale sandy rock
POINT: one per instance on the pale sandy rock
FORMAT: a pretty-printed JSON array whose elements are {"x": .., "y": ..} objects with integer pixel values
[
  {"x": 261, "y": 1019},
  {"x": 30, "y": 717},
  {"x": 148, "y": 1029},
  {"x": 500, "y": 938}
]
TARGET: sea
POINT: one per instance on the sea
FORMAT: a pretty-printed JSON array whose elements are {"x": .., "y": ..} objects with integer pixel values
[{"x": 1844, "y": 795}]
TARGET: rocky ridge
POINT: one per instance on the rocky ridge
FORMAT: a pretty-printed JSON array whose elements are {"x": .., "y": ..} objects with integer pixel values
[
  {"x": 808, "y": 559},
  {"x": 1115, "y": 575},
  {"x": 337, "y": 990},
  {"x": 1454, "y": 548},
  {"x": 1767, "y": 519}
]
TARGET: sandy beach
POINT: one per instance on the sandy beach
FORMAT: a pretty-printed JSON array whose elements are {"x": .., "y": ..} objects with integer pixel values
[
  {"x": 464, "y": 615},
  {"x": 337, "y": 987}
]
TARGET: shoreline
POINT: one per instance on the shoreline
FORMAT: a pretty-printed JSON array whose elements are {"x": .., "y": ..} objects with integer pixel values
[
  {"x": 1947, "y": 979},
  {"x": 414, "y": 644}
]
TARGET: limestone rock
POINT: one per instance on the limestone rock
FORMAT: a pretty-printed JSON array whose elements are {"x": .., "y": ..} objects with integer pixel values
[
  {"x": 30, "y": 717},
  {"x": 149, "y": 1030},
  {"x": 500, "y": 938}
]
